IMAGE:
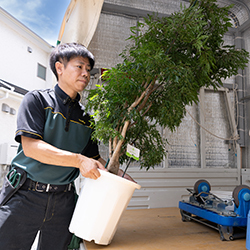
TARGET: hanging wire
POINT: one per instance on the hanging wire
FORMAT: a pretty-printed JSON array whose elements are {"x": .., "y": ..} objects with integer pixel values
[{"x": 225, "y": 139}]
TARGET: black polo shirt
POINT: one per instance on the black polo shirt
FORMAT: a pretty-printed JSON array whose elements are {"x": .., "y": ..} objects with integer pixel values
[{"x": 52, "y": 116}]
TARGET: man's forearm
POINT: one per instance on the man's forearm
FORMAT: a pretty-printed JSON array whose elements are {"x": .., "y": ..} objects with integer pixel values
[{"x": 48, "y": 154}]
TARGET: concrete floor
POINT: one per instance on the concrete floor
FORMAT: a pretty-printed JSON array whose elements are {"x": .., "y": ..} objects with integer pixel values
[{"x": 163, "y": 229}]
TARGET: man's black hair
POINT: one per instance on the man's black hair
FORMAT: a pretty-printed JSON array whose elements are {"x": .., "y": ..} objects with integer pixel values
[{"x": 66, "y": 51}]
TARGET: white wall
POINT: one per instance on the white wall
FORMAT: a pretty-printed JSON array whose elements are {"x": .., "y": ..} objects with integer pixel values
[
  {"x": 8, "y": 146},
  {"x": 17, "y": 65},
  {"x": 8, "y": 121},
  {"x": 166, "y": 187}
]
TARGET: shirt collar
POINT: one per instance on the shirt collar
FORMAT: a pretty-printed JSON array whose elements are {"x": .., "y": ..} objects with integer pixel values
[{"x": 63, "y": 96}]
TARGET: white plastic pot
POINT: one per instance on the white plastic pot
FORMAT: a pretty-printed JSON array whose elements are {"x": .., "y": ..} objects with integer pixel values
[{"x": 99, "y": 207}]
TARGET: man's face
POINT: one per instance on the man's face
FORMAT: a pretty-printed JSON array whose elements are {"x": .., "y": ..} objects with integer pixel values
[{"x": 75, "y": 76}]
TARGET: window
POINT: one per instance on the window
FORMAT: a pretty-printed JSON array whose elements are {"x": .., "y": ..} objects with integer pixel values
[{"x": 41, "y": 71}]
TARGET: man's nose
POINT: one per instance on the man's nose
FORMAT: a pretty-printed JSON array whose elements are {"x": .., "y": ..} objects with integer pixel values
[{"x": 85, "y": 72}]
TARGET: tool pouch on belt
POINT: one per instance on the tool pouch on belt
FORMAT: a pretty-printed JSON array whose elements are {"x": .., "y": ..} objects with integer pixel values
[{"x": 10, "y": 187}]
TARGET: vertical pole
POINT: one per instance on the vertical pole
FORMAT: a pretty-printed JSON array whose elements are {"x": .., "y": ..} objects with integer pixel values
[
  {"x": 241, "y": 108},
  {"x": 202, "y": 131},
  {"x": 239, "y": 163},
  {"x": 240, "y": 90}
]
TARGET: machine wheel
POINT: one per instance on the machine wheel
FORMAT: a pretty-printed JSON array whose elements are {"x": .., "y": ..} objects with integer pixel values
[
  {"x": 185, "y": 216},
  {"x": 200, "y": 185},
  {"x": 226, "y": 233},
  {"x": 222, "y": 238},
  {"x": 236, "y": 192}
]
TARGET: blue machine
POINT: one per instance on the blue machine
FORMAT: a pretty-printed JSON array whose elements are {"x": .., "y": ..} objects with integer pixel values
[{"x": 229, "y": 216}]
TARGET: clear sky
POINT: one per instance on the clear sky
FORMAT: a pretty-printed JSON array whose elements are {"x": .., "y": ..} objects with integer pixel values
[{"x": 44, "y": 17}]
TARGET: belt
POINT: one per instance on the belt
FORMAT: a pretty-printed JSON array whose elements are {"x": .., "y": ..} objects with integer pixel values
[{"x": 43, "y": 188}]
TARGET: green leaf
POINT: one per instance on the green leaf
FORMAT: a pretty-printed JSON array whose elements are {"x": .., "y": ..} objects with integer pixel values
[{"x": 171, "y": 58}]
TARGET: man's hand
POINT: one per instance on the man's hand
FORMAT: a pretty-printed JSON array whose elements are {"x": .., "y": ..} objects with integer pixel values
[{"x": 89, "y": 167}]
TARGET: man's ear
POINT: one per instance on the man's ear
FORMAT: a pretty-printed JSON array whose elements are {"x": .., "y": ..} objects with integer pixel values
[{"x": 59, "y": 68}]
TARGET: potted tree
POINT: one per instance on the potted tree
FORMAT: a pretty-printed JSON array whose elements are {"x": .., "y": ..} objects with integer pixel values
[{"x": 169, "y": 60}]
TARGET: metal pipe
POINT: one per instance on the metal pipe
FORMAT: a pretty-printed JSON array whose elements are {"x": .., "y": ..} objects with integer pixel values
[{"x": 240, "y": 92}]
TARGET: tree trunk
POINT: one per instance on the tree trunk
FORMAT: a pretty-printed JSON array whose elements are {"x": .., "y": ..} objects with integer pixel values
[{"x": 113, "y": 166}]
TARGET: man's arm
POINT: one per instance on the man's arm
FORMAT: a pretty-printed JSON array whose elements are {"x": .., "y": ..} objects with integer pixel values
[{"x": 48, "y": 154}]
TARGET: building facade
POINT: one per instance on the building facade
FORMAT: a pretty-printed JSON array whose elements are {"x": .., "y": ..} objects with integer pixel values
[{"x": 24, "y": 66}]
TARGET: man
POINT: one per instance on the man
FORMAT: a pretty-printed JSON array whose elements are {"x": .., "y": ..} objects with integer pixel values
[{"x": 54, "y": 133}]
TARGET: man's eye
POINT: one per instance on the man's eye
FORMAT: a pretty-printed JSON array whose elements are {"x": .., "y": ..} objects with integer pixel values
[{"x": 79, "y": 66}]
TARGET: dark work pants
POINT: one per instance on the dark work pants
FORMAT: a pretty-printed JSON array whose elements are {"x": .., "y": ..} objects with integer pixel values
[{"x": 29, "y": 211}]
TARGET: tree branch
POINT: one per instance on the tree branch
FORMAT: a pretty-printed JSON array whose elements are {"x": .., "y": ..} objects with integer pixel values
[
  {"x": 110, "y": 148},
  {"x": 149, "y": 92}
]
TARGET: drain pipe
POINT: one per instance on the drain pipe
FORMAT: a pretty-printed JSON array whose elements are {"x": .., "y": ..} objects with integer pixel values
[
  {"x": 239, "y": 80},
  {"x": 240, "y": 88}
]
